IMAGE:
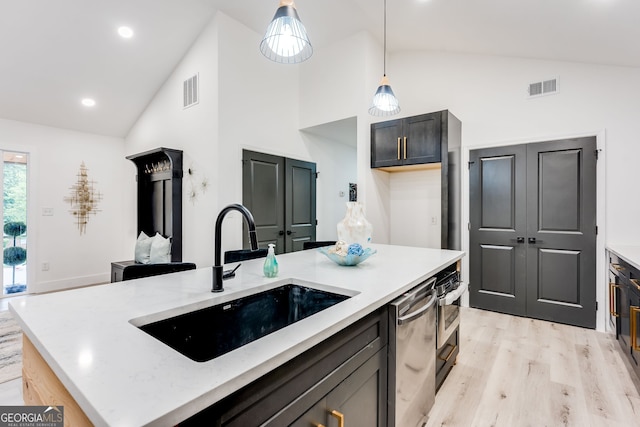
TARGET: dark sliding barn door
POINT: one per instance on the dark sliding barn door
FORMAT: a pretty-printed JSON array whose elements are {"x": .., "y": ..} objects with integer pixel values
[{"x": 533, "y": 230}]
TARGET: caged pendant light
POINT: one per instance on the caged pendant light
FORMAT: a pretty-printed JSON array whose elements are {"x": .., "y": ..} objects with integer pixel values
[
  {"x": 384, "y": 102},
  {"x": 286, "y": 39}
]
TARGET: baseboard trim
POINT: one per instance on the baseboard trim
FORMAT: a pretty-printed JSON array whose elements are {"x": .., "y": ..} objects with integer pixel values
[{"x": 70, "y": 283}]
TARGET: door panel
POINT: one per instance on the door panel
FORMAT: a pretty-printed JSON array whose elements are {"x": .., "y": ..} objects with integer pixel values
[
  {"x": 423, "y": 139},
  {"x": 385, "y": 144},
  {"x": 498, "y": 217},
  {"x": 498, "y": 182},
  {"x": 533, "y": 230},
  {"x": 263, "y": 195},
  {"x": 300, "y": 203},
  {"x": 561, "y": 209},
  {"x": 559, "y": 185},
  {"x": 559, "y": 276},
  {"x": 498, "y": 270}
]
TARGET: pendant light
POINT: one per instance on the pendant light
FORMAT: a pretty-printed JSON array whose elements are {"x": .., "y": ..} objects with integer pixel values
[
  {"x": 384, "y": 102},
  {"x": 286, "y": 39}
]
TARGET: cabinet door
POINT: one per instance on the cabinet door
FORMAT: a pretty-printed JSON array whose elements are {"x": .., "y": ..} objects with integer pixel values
[
  {"x": 421, "y": 140},
  {"x": 634, "y": 322},
  {"x": 314, "y": 417},
  {"x": 386, "y": 147},
  {"x": 615, "y": 302},
  {"x": 361, "y": 398}
]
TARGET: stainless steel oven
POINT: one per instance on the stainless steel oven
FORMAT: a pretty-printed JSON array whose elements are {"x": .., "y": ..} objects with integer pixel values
[{"x": 449, "y": 289}]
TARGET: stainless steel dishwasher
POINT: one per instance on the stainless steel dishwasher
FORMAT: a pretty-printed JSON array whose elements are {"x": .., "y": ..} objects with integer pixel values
[{"x": 412, "y": 356}]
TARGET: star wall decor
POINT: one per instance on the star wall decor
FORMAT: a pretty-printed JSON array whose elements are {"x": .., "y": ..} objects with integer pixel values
[{"x": 84, "y": 199}]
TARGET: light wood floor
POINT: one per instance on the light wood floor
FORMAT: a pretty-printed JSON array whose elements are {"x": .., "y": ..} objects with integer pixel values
[{"x": 513, "y": 371}]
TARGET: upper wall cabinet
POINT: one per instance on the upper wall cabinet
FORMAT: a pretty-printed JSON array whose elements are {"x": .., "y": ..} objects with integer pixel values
[
  {"x": 413, "y": 140},
  {"x": 427, "y": 141}
]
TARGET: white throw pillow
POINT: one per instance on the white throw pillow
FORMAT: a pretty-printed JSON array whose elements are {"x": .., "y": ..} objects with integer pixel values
[
  {"x": 160, "y": 250},
  {"x": 143, "y": 248}
]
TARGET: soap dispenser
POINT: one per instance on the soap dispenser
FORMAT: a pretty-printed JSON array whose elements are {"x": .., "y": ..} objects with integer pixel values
[{"x": 270, "y": 267}]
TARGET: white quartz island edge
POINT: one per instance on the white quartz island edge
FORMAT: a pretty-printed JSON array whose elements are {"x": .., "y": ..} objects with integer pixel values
[{"x": 120, "y": 376}]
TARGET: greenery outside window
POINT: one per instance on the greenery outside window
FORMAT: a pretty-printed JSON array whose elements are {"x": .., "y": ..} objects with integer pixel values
[{"x": 14, "y": 213}]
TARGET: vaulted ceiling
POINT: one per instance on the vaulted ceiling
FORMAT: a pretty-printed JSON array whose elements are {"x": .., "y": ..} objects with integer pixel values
[{"x": 53, "y": 53}]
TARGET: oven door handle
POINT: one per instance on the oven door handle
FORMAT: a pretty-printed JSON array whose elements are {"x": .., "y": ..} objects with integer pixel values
[
  {"x": 449, "y": 298},
  {"x": 414, "y": 315}
]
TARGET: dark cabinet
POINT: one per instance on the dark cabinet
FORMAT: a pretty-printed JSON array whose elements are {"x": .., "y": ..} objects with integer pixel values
[
  {"x": 160, "y": 195},
  {"x": 426, "y": 141},
  {"x": 355, "y": 402},
  {"x": 624, "y": 307},
  {"x": 343, "y": 376},
  {"x": 409, "y": 141},
  {"x": 634, "y": 338}
]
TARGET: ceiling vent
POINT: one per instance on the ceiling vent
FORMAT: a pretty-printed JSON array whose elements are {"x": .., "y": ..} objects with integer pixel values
[
  {"x": 545, "y": 87},
  {"x": 190, "y": 91}
]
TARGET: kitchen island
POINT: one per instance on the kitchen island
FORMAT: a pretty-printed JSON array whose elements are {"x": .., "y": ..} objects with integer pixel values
[{"x": 121, "y": 376}]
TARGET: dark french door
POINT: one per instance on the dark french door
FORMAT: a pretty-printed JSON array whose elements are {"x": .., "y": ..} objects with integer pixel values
[
  {"x": 533, "y": 230},
  {"x": 281, "y": 194}
]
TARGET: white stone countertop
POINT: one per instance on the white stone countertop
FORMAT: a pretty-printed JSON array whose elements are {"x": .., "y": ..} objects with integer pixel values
[
  {"x": 121, "y": 376},
  {"x": 629, "y": 253}
]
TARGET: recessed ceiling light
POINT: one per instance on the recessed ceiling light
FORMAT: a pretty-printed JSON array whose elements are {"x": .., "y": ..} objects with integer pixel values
[
  {"x": 125, "y": 32},
  {"x": 88, "y": 102}
]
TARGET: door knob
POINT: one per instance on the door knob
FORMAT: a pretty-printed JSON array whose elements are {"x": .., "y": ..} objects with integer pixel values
[
  {"x": 520, "y": 240},
  {"x": 289, "y": 232},
  {"x": 281, "y": 233},
  {"x": 532, "y": 240}
]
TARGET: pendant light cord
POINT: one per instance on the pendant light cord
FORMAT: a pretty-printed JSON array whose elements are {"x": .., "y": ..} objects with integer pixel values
[{"x": 384, "y": 38}]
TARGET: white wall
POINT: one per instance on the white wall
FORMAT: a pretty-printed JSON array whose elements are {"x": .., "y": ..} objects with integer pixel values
[
  {"x": 415, "y": 199},
  {"x": 336, "y": 163},
  {"x": 246, "y": 102},
  {"x": 339, "y": 82},
  {"x": 194, "y": 130},
  {"x": 55, "y": 156}
]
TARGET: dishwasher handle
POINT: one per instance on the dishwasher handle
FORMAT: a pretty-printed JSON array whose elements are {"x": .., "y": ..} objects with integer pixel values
[{"x": 416, "y": 314}]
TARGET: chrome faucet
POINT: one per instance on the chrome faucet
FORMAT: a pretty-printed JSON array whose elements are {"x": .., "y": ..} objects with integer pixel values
[{"x": 217, "y": 268}]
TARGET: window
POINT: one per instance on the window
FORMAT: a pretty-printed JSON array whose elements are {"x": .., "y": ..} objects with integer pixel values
[{"x": 14, "y": 213}]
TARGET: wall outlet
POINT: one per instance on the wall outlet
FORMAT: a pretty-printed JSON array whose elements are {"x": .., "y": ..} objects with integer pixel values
[
  {"x": 434, "y": 220},
  {"x": 47, "y": 211},
  {"x": 45, "y": 266}
]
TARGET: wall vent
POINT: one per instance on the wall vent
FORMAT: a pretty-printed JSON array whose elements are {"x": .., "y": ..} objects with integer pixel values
[
  {"x": 190, "y": 91},
  {"x": 544, "y": 87}
]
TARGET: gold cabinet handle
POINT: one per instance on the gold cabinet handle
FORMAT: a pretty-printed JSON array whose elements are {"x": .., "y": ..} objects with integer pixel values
[
  {"x": 319, "y": 425},
  {"x": 398, "y": 148},
  {"x": 405, "y": 147},
  {"x": 635, "y": 283},
  {"x": 633, "y": 325},
  {"x": 612, "y": 299},
  {"x": 618, "y": 267},
  {"x": 339, "y": 416},
  {"x": 453, "y": 348}
]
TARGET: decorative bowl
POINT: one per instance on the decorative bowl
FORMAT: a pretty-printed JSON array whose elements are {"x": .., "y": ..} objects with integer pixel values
[{"x": 347, "y": 260}]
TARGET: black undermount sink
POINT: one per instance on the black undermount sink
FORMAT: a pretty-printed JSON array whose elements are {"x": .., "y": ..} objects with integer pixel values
[{"x": 213, "y": 331}]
